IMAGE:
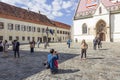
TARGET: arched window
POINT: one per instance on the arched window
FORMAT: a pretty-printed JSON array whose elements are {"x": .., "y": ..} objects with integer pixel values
[
  {"x": 100, "y": 10},
  {"x": 84, "y": 28}
]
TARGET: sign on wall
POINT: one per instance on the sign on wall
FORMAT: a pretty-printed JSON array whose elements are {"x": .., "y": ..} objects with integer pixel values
[{"x": 91, "y": 3}]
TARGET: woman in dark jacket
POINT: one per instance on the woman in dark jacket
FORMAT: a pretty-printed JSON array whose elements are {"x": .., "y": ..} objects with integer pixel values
[{"x": 1, "y": 46}]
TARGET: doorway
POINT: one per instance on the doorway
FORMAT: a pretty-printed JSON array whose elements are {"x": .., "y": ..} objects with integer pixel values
[{"x": 101, "y": 30}]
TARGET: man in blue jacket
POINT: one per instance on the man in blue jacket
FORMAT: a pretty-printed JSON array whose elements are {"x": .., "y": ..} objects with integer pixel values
[
  {"x": 69, "y": 42},
  {"x": 52, "y": 57}
]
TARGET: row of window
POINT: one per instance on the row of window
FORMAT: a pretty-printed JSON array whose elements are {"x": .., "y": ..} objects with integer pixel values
[
  {"x": 23, "y": 38},
  {"x": 17, "y": 37},
  {"x": 19, "y": 27},
  {"x": 29, "y": 38}
]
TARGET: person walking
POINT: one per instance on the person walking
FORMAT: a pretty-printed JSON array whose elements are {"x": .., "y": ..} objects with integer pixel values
[
  {"x": 38, "y": 43},
  {"x": 84, "y": 47},
  {"x": 5, "y": 48},
  {"x": 16, "y": 48},
  {"x": 52, "y": 61}
]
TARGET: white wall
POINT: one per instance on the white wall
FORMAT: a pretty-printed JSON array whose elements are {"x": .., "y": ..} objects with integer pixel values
[
  {"x": 115, "y": 23},
  {"x": 91, "y": 23},
  {"x": 78, "y": 29},
  {"x": 6, "y": 33}
]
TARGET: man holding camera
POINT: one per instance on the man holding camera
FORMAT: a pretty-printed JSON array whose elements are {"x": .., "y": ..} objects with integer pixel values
[{"x": 52, "y": 61}]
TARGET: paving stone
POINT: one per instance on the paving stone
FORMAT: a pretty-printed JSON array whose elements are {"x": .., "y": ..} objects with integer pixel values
[{"x": 101, "y": 64}]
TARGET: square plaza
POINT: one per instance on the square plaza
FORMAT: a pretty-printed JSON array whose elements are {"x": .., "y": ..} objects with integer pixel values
[
  {"x": 102, "y": 64},
  {"x": 92, "y": 20}
]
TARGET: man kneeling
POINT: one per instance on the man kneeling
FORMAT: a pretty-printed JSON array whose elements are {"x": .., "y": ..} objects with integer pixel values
[{"x": 52, "y": 60}]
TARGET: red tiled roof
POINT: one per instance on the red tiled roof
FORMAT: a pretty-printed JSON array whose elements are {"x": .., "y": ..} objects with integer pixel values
[
  {"x": 61, "y": 25},
  {"x": 82, "y": 7},
  {"x": 16, "y": 13},
  {"x": 22, "y": 14},
  {"x": 108, "y": 3}
]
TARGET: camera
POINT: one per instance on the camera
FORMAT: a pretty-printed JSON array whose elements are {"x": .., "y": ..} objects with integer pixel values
[
  {"x": 44, "y": 63},
  {"x": 47, "y": 65}
]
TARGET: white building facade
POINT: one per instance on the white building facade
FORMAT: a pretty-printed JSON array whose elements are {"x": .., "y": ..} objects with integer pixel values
[
  {"x": 97, "y": 18},
  {"x": 27, "y": 25}
]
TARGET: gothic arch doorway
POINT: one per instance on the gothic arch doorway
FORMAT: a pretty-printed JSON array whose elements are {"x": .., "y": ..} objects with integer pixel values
[{"x": 101, "y": 30}]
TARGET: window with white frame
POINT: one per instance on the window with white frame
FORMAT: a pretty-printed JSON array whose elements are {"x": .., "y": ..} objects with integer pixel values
[
  {"x": 10, "y": 26},
  {"x": 17, "y": 27},
  {"x": 1, "y": 25}
]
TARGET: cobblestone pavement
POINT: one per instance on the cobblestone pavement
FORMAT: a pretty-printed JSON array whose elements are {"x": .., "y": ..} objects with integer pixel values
[{"x": 102, "y": 64}]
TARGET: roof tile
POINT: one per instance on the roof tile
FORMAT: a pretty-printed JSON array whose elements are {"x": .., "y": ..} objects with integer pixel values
[{"x": 12, "y": 12}]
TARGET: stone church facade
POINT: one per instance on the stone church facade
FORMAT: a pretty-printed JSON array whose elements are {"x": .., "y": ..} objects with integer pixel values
[{"x": 97, "y": 18}]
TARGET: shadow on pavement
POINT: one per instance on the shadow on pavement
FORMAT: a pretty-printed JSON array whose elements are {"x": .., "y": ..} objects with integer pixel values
[
  {"x": 103, "y": 49},
  {"x": 96, "y": 58},
  {"x": 28, "y": 64},
  {"x": 63, "y": 71}
]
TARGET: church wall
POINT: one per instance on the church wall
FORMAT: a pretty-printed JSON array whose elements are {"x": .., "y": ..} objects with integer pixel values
[
  {"x": 103, "y": 10},
  {"x": 105, "y": 18},
  {"x": 78, "y": 29},
  {"x": 91, "y": 24},
  {"x": 115, "y": 24},
  {"x": 111, "y": 31}
]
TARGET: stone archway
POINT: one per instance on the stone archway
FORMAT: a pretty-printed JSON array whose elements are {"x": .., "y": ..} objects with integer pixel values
[{"x": 101, "y": 30}]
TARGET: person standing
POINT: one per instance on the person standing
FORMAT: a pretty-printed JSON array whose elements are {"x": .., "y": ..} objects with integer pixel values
[
  {"x": 69, "y": 42},
  {"x": 32, "y": 46},
  {"x": 52, "y": 61},
  {"x": 95, "y": 43},
  {"x": 16, "y": 48},
  {"x": 99, "y": 43},
  {"x": 5, "y": 48},
  {"x": 13, "y": 45},
  {"x": 1, "y": 46},
  {"x": 84, "y": 47}
]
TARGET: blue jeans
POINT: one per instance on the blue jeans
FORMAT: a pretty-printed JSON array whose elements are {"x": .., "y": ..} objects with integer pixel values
[{"x": 69, "y": 45}]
